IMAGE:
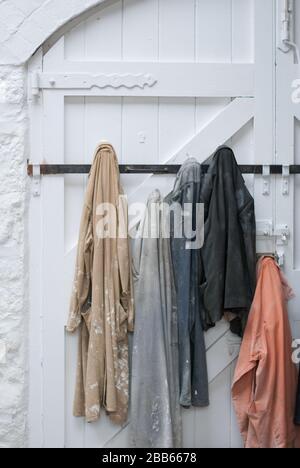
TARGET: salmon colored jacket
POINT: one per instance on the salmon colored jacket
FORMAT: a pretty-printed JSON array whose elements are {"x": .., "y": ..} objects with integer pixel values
[{"x": 265, "y": 380}]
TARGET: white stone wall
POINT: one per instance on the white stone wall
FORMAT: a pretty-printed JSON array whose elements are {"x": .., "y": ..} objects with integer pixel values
[
  {"x": 13, "y": 265},
  {"x": 24, "y": 26}
]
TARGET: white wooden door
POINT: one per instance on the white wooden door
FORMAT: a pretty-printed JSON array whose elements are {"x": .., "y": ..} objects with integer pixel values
[{"x": 159, "y": 79}]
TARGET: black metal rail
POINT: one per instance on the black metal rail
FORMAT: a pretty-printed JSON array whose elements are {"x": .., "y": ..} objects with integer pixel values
[{"x": 55, "y": 169}]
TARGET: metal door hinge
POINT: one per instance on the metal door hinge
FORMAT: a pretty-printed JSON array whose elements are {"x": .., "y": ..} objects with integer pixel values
[
  {"x": 35, "y": 84},
  {"x": 36, "y": 180}
]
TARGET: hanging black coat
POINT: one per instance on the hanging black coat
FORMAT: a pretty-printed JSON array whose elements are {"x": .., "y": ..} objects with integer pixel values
[{"x": 229, "y": 252}]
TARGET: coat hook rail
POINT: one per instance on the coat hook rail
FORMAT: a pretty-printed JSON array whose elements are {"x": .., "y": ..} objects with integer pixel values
[{"x": 56, "y": 169}]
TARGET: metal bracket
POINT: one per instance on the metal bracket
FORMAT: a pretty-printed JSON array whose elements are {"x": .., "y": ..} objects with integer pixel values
[
  {"x": 282, "y": 233},
  {"x": 280, "y": 259},
  {"x": 35, "y": 84},
  {"x": 266, "y": 180},
  {"x": 36, "y": 180},
  {"x": 264, "y": 228},
  {"x": 285, "y": 25},
  {"x": 285, "y": 180}
]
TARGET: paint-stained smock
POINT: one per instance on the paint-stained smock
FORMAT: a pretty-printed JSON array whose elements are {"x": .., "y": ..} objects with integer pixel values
[{"x": 102, "y": 300}]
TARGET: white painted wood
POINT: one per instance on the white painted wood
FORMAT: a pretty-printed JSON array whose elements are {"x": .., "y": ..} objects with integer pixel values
[
  {"x": 212, "y": 335},
  {"x": 35, "y": 403},
  {"x": 74, "y": 154},
  {"x": 242, "y": 144},
  {"x": 287, "y": 150},
  {"x": 219, "y": 357},
  {"x": 219, "y": 130},
  {"x": 177, "y": 30},
  {"x": 103, "y": 121},
  {"x": 103, "y": 34},
  {"x": 176, "y": 125},
  {"x": 212, "y": 424},
  {"x": 52, "y": 275},
  {"x": 207, "y": 110},
  {"x": 214, "y": 31},
  {"x": 75, "y": 45},
  {"x": 74, "y": 427},
  {"x": 140, "y": 117},
  {"x": 98, "y": 37},
  {"x": 264, "y": 124},
  {"x": 170, "y": 79},
  {"x": 200, "y": 52},
  {"x": 140, "y": 38},
  {"x": 242, "y": 31}
]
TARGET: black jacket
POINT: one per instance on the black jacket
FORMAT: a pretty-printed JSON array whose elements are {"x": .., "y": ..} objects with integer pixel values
[{"x": 229, "y": 252}]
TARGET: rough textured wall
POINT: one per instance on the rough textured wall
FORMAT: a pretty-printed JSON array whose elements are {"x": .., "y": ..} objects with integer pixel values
[
  {"x": 24, "y": 26},
  {"x": 13, "y": 267}
]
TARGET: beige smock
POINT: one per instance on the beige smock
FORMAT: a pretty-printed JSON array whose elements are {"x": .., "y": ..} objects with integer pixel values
[{"x": 102, "y": 299}]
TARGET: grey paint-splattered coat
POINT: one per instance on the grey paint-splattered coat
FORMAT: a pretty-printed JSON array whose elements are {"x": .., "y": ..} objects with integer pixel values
[{"x": 155, "y": 411}]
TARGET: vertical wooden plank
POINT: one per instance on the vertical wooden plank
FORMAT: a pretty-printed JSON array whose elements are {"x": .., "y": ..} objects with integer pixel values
[
  {"x": 75, "y": 43},
  {"x": 212, "y": 424},
  {"x": 140, "y": 116},
  {"x": 35, "y": 106},
  {"x": 242, "y": 52},
  {"x": 177, "y": 30},
  {"x": 75, "y": 427},
  {"x": 53, "y": 60},
  {"x": 103, "y": 121},
  {"x": 214, "y": 31},
  {"x": 286, "y": 145},
  {"x": 140, "y": 30},
  {"x": 103, "y": 34},
  {"x": 139, "y": 136},
  {"x": 176, "y": 116},
  {"x": 242, "y": 31},
  {"x": 264, "y": 123},
  {"x": 74, "y": 195},
  {"x": 74, "y": 154},
  {"x": 52, "y": 274}
]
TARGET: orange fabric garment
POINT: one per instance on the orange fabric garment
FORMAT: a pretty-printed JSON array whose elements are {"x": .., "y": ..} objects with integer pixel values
[{"x": 265, "y": 381}]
